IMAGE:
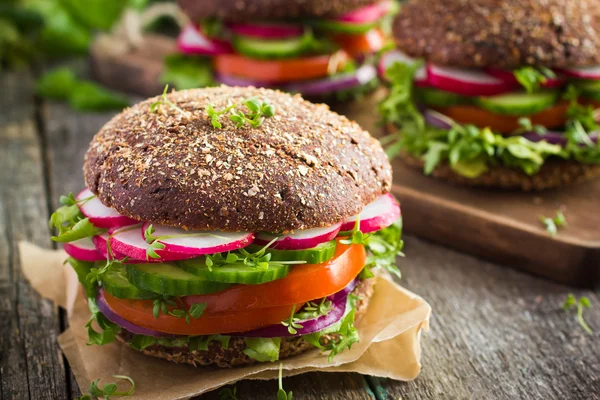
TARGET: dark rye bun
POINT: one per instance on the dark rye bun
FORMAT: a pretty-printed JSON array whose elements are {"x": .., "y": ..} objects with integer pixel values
[
  {"x": 253, "y": 10},
  {"x": 553, "y": 174},
  {"x": 234, "y": 355},
  {"x": 501, "y": 33},
  {"x": 304, "y": 167}
]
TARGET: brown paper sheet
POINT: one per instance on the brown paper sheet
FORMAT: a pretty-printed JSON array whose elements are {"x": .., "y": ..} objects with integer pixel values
[{"x": 389, "y": 346}]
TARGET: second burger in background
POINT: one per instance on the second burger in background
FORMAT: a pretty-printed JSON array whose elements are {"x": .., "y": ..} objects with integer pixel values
[
  {"x": 505, "y": 96},
  {"x": 321, "y": 49}
]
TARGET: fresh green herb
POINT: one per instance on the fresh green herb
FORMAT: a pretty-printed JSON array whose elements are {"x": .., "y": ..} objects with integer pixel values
[
  {"x": 384, "y": 246},
  {"x": 262, "y": 349},
  {"x": 292, "y": 322},
  {"x": 260, "y": 259},
  {"x": 201, "y": 342},
  {"x": 141, "y": 342},
  {"x": 162, "y": 304},
  {"x": 259, "y": 110},
  {"x": 282, "y": 394},
  {"x": 187, "y": 72},
  {"x": 552, "y": 224},
  {"x": 356, "y": 236},
  {"x": 109, "y": 329},
  {"x": 164, "y": 100},
  {"x": 109, "y": 390},
  {"x": 580, "y": 304},
  {"x": 70, "y": 222},
  {"x": 314, "y": 310},
  {"x": 212, "y": 27},
  {"x": 83, "y": 269},
  {"x": 531, "y": 78},
  {"x": 194, "y": 343},
  {"x": 228, "y": 393}
]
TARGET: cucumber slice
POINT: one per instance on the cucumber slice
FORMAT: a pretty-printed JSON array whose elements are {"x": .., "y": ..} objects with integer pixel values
[
  {"x": 267, "y": 48},
  {"x": 232, "y": 273},
  {"x": 116, "y": 283},
  {"x": 439, "y": 98},
  {"x": 344, "y": 27},
  {"x": 171, "y": 280},
  {"x": 318, "y": 254},
  {"x": 589, "y": 89},
  {"x": 518, "y": 103}
]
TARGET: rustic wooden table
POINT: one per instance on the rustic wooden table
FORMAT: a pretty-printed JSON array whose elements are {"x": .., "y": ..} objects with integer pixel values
[{"x": 495, "y": 333}]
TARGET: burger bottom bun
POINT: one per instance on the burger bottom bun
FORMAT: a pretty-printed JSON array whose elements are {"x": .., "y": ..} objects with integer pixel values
[
  {"x": 234, "y": 355},
  {"x": 553, "y": 174}
]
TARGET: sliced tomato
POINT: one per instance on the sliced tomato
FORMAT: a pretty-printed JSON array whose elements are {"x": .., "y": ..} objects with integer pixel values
[
  {"x": 589, "y": 102},
  {"x": 553, "y": 117},
  {"x": 247, "y": 307},
  {"x": 139, "y": 312},
  {"x": 280, "y": 71},
  {"x": 366, "y": 43},
  {"x": 304, "y": 283}
]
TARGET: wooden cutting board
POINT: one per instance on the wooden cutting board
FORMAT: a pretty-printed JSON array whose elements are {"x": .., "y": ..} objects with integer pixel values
[{"x": 501, "y": 226}]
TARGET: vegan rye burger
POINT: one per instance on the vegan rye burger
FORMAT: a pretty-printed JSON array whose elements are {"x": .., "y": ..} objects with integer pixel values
[
  {"x": 228, "y": 226},
  {"x": 497, "y": 94},
  {"x": 316, "y": 48}
]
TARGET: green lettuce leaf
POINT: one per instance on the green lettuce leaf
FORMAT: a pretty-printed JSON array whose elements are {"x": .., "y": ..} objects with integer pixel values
[
  {"x": 82, "y": 269},
  {"x": 187, "y": 72},
  {"x": 262, "y": 349}
]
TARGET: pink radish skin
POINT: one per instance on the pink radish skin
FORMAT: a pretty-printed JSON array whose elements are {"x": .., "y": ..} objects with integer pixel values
[
  {"x": 375, "y": 216},
  {"x": 128, "y": 241},
  {"x": 367, "y": 14},
  {"x": 592, "y": 72},
  {"x": 467, "y": 82},
  {"x": 304, "y": 239},
  {"x": 84, "y": 250},
  {"x": 393, "y": 56},
  {"x": 267, "y": 31},
  {"x": 100, "y": 215},
  {"x": 100, "y": 244},
  {"x": 192, "y": 41},
  {"x": 509, "y": 77},
  {"x": 197, "y": 243}
]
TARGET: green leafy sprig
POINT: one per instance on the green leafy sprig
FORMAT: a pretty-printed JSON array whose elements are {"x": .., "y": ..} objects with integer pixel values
[
  {"x": 164, "y": 100},
  {"x": 552, "y": 224},
  {"x": 70, "y": 223},
  {"x": 163, "y": 303},
  {"x": 531, "y": 78},
  {"x": 227, "y": 393},
  {"x": 109, "y": 390},
  {"x": 292, "y": 322},
  {"x": 314, "y": 310},
  {"x": 580, "y": 305},
  {"x": 281, "y": 393},
  {"x": 259, "y": 110},
  {"x": 109, "y": 329}
]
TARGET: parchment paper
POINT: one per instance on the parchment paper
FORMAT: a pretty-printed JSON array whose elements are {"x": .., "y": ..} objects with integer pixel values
[{"x": 389, "y": 340}]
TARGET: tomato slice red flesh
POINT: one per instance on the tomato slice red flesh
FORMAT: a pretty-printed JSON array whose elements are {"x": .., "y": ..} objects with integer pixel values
[
  {"x": 552, "y": 117},
  {"x": 280, "y": 71},
  {"x": 366, "y": 43},
  {"x": 247, "y": 307}
]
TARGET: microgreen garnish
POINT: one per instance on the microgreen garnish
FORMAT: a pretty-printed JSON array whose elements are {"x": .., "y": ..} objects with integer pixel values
[
  {"x": 314, "y": 310},
  {"x": 531, "y": 78},
  {"x": 109, "y": 329},
  {"x": 259, "y": 110},
  {"x": 70, "y": 223},
  {"x": 356, "y": 237},
  {"x": 109, "y": 390},
  {"x": 281, "y": 393},
  {"x": 260, "y": 259},
  {"x": 163, "y": 303},
  {"x": 155, "y": 107},
  {"x": 228, "y": 393},
  {"x": 552, "y": 224},
  {"x": 292, "y": 322},
  {"x": 583, "y": 301}
]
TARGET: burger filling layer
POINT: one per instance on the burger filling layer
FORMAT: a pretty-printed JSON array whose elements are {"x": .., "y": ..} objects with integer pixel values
[
  {"x": 474, "y": 120},
  {"x": 166, "y": 286}
]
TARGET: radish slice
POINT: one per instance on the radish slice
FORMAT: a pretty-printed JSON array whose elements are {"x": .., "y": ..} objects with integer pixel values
[
  {"x": 267, "y": 31},
  {"x": 100, "y": 244},
  {"x": 192, "y": 41},
  {"x": 128, "y": 241},
  {"x": 84, "y": 250},
  {"x": 197, "y": 243},
  {"x": 304, "y": 239},
  {"x": 591, "y": 72},
  {"x": 100, "y": 215},
  {"x": 394, "y": 56},
  {"x": 509, "y": 77},
  {"x": 376, "y": 215},
  {"x": 468, "y": 82},
  {"x": 368, "y": 14}
]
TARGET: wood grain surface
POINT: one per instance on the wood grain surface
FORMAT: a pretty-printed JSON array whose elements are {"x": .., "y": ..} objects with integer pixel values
[{"x": 496, "y": 333}]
